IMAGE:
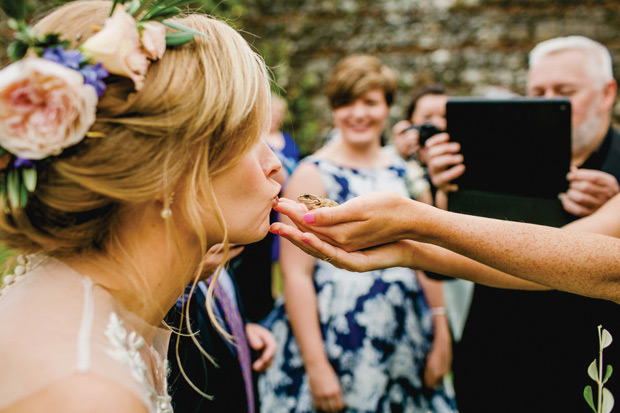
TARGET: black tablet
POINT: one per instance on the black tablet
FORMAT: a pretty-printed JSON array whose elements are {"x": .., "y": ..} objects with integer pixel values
[{"x": 517, "y": 146}]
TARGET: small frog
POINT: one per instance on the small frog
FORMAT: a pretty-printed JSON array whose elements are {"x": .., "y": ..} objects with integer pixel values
[{"x": 315, "y": 201}]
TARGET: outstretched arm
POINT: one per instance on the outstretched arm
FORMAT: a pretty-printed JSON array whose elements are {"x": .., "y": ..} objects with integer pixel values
[{"x": 582, "y": 263}]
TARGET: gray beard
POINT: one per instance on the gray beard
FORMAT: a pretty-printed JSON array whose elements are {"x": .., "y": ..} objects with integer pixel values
[{"x": 584, "y": 134}]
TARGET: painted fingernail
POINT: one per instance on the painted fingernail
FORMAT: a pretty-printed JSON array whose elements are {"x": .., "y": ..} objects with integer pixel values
[
  {"x": 305, "y": 240},
  {"x": 309, "y": 218}
]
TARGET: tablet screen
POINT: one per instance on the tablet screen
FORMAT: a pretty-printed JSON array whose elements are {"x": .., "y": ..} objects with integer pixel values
[{"x": 519, "y": 146}]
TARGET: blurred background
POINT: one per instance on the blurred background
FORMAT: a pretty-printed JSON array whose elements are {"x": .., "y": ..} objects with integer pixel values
[{"x": 472, "y": 47}]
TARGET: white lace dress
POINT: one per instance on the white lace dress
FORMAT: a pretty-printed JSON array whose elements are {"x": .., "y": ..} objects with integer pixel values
[{"x": 55, "y": 323}]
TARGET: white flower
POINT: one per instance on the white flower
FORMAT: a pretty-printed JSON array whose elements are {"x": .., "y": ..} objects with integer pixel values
[
  {"x": 117, "y": 47},
  {"x": 153, "y": 38},
  {"x": 44, "y": 108}
]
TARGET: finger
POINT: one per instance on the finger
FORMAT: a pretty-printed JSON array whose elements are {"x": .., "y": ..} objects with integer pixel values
[
  {"x": 254, "y": 337},
  {"x": 443, "y": 149},
  {"x": 329, "y": 216},
  {"x": 310, "y": 244},
  {"x": 437, "y": 140},
  {"x": 401, "y": 126},
  {"x": 338, "y": 403},
  {"x": 444, "y": 179},
  {"x": 573, "y": 208},
  {"x": 269, "y": 350},
  {"x": 600, "y": 191},
  {"x": 596, "y": 177},
  {"x": 295, "y": 211},
  {"x": 584, "y": 199},
  {"x": 442, "y": 162}
]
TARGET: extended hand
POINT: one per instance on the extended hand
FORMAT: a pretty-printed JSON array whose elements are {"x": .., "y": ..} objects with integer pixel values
[
  {"x": 397, "y": 254},
  {"x": 261, "y": 339},
  {"x": 362, "y": 222},
  {"x": 588, "y": 191}
]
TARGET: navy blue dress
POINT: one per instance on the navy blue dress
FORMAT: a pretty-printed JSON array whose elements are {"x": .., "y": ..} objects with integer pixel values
[{"x": 376, "y": 326}]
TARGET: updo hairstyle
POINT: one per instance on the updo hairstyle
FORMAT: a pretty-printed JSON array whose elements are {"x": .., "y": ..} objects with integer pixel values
[{"x": 203, "y": 105}]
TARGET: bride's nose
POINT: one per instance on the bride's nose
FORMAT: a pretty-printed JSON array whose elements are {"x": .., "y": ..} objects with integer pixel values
[{"x": 269, "y": 161}]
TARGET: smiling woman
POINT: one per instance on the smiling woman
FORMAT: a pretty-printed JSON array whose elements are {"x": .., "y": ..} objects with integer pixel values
[{"x": 367, "y": 341}]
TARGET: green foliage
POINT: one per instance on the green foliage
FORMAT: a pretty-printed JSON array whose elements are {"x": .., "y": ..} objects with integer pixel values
[
  {"x": 302, "y": 120},
  {"x": 605, "y": 400}
]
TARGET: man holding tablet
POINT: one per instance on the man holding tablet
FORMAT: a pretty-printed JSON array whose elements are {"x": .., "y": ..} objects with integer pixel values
[{"x": 539, "y": 357}]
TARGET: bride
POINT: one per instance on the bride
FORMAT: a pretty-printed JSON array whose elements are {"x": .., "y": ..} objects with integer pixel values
[{"x": 132, "y": 185}]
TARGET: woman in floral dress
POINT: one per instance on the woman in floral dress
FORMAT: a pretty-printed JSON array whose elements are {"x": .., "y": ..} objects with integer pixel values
[{"x": 364, "y": 342}]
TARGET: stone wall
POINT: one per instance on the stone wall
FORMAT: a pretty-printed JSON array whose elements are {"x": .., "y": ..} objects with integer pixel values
[{"x": 467, "y": 45}]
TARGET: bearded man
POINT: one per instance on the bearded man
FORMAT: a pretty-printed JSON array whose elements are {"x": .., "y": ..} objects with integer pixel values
[{"x": 530, "y": 351}]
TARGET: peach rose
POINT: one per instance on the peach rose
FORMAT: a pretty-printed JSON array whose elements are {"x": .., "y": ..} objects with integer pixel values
[
  {"x": 153, "y": 39},
  {"x": 44, "y": 108},
  {"x": 117, "y": 47}
]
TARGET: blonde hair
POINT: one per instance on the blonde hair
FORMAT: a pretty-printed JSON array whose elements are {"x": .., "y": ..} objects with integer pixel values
[
  {"x": 355, "y": 75},
  {"x": 203, "y": 105}
]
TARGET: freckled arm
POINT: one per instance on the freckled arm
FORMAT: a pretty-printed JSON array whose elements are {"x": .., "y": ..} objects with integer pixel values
[{"x": 563, "y": 259}]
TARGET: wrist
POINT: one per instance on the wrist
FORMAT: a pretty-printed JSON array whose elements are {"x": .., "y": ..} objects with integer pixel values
[
  {"x": 419, "y": 221},
  {"x": 317, "y": 365},
  {"x": 439, "y": 311}
]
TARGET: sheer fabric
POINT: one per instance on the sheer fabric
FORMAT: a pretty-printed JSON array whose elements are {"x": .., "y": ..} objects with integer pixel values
[{"x": 55, "y": 322}]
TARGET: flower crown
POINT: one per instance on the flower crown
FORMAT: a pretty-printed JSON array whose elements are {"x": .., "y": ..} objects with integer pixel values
[{"x": 48, "y": 102}]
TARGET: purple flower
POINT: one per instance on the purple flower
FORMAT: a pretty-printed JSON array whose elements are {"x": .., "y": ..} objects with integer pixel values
[
  {"x": 93, "y": 76},
  {"x": 67, "y": 58},
  {"x": 23, "y": 163}
]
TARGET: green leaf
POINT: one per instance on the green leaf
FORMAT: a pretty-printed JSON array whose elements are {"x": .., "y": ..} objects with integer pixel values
[
  {"x": 12, "y": 188},
  {"x": 29, "y": 177},
  {"x": 608, "y": 401},
  {"x": 163, "y": 7},
  {"x": 14, "y": 8},
  {"x": 14, "y": 24},
  {"x": 17, "y": 50},
  {"x": 134, "y": 6},
  {"x": 176, "y": 39},
  {"x": 587, "y": 394},
  {"x": 608, "y": 373},
  {"x": 606, "y": 339},
  {"x": 163, "y": 13},
  {"x": 593, "y": 371},
  {"x": 182, "y": 28},
  {"x": 23, "y": 195}
]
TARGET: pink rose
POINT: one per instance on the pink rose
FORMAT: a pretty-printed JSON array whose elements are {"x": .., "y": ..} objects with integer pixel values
[
  {"x": 44, "y": 108},
  {"x": 153, "y": 38},
  {"x": 117, "y": 47}
]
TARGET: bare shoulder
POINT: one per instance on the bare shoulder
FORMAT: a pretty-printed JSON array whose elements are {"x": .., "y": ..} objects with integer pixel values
[
  {"x": 305, "y": 179},
  {"x": 81, "y": 392}
]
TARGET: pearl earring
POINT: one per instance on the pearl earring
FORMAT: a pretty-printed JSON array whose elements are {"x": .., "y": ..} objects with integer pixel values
[{"x": 166, "y": 212}]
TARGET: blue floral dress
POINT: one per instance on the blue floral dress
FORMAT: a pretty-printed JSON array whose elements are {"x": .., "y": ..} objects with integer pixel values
[{"x": 376, "y": 326}]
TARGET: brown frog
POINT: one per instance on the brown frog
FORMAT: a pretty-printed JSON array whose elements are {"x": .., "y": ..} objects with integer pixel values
[{"x": 315, "y": 201}]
